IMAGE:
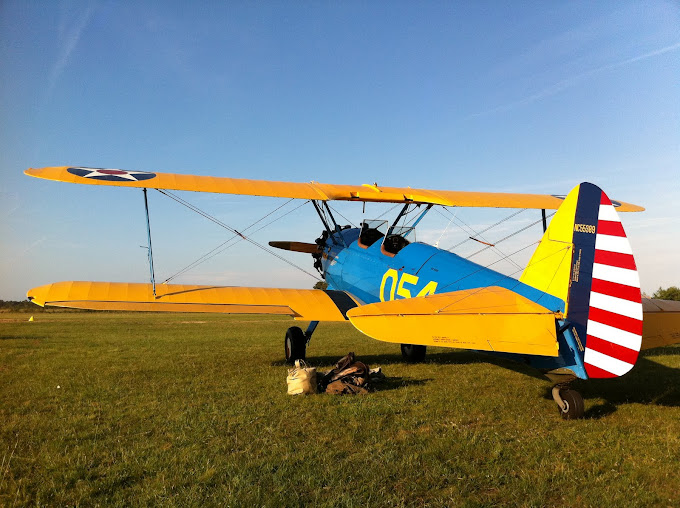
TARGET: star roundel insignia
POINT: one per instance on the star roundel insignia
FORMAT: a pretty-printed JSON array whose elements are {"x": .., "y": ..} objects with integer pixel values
[{"x": 112, "y": 175}]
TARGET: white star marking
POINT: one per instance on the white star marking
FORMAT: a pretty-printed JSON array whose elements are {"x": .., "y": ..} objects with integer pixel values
[{"x": 126, "y": 175}]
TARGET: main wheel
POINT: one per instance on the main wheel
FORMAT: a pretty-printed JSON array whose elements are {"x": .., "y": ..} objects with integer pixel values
[
  {"x": 295, "y": 344},
  {"x": 574, "y": 404},
  {"x": 413, "y": 353}
]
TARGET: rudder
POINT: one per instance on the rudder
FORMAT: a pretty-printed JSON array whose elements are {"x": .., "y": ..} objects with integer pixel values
[{"x": 585, "y": 259}]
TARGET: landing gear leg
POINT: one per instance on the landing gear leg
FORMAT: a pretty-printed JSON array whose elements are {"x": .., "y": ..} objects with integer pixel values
[
  {"x": 310, "y": 330},
  {"x": 569, "y": 402},
  {"x": 413, "y": 353}
]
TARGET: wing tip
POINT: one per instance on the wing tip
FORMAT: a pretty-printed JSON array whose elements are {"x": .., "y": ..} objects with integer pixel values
[
  {"x": 47, "y": 173},
  {"x": 31, "y": 298},
  {"x": 629, "y": 207}
]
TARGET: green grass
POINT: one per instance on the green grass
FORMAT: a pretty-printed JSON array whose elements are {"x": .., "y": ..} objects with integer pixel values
[{"x": 188, "y": 410}]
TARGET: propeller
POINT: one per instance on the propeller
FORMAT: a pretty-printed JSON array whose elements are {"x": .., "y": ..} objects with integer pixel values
[{"x": 310, "y": 248}]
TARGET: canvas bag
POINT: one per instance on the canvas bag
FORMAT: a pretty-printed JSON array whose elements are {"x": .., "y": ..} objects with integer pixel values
[{"x": 301, "y": 379}]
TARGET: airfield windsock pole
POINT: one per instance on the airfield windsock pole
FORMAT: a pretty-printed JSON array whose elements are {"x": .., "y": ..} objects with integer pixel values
[{"x": 150, "y": 251}]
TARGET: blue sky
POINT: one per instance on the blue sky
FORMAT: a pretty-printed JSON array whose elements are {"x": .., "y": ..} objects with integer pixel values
[{"x": 519, "y": 97}]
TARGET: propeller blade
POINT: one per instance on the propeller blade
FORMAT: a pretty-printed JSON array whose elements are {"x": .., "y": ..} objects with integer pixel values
[{"x": 310, "y": 248}]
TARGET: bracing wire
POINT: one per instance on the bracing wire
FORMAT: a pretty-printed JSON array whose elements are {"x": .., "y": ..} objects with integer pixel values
[
  {"x": 479, "y": 233},
  {"x": 208, "y": 255},
  {"x": 388, "y": 211},
  {"x": 510, "y": 236},
  {"x": 473, "y": 234},
  {"x": 563, "y": 251},
  {"x": 520, "y": 269},
  {"x": 232, "y": 230},
  {"x": 462, "y": 226},
  {"x": 341, "y": 215},
  {"x": 436, "y": 244},
  {"x": 230, "y": 242}
]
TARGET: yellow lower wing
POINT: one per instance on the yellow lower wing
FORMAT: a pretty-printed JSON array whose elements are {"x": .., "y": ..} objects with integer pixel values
[
  {"x": 305, "y": 304},
  {"x": 485, "y": 319}
]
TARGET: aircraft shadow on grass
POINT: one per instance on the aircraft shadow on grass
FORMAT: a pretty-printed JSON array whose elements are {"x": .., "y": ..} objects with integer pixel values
[
  {"x": 648, "y": 383},
  {"x": 460, "y": 357},
  {"x": 454, "y": 357},
  {"x": 395, "y": 383}
]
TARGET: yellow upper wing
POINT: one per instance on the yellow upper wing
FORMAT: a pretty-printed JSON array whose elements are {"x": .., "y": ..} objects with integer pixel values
[
  {"x": 312, "y": 190},
  {"x": 484, "y": 319},
  {"x": 305, "y": 304}
]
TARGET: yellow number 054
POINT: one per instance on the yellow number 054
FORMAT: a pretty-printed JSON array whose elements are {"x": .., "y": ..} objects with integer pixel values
[{"x": 397, "y": 285}]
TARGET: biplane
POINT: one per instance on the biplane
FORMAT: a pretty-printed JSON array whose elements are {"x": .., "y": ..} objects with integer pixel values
[{"x": 575, "y": 312}]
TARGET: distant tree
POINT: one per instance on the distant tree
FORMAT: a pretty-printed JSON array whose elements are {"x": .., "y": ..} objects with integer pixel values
[
  {"x": 14, "y": 306},
  {"x": 321, "y": 285},
  {"x": 26, "y": 306},
  {"x": 671, "y": 293}
]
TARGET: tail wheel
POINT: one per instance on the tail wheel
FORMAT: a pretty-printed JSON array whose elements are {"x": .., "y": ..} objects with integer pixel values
[
  {"x": 573, "y": 404},
  {"x": 413, "y": 353},
  {"x": 295, "y": 344}
]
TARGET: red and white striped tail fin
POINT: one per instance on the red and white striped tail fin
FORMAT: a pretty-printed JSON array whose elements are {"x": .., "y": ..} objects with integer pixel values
[
  {"x": 604, "y": 302},
  {"x": 614, "y": 326}
]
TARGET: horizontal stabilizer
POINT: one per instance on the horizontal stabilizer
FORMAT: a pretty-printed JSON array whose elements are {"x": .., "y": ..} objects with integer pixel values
[
  {"x": 310, "y": 248},
  {"x": 311, "y": 190},
  {"x": 305, "y": 304},
  {"x": 484, "y": 319},
  {"x": 661, "y": 323}
]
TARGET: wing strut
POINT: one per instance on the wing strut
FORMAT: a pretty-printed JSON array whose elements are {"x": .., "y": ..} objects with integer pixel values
[
  {"x": 148, "y": 232},
  {"x": 327, "y": 218},
  {"x": 407, "y": 209},
  {"x": 420, "y": 217},
  {"x": 545, "y": 221}
]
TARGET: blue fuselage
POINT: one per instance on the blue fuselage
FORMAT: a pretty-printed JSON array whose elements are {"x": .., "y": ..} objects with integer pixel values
[{"x": 419, "y": 269}]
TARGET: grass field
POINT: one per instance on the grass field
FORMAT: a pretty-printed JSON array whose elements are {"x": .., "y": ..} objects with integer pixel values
[{"x": 188, "y": 410}]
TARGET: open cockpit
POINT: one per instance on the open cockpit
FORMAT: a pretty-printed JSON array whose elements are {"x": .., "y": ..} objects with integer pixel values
[
  {"x": 371, "y": 232},
  {"x": 392, "y": 239},
  {"x": 395, "y": 240}
]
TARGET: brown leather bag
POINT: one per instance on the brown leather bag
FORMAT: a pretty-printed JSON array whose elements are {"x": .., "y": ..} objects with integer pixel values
[{"x": 348, "y": 377}]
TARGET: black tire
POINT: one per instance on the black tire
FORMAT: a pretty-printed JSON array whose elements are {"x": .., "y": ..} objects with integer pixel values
[
  {"x": 574, "y": 402},
  {"x": 295, "y": 344},
  {"x": 413, "y": 353}
]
